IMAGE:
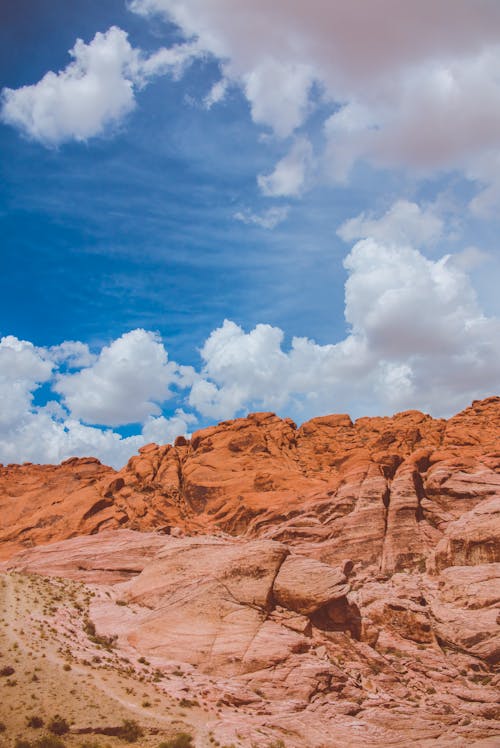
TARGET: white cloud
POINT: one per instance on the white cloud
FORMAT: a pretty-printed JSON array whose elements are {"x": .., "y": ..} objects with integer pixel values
[
  {"x": 72, "y": 352},
  {"x": 279, "y": 94},
  {"x": 268, "y": 219},
  {"x": 406, "y": 85},
  {"x": 404, "y": 223},
  {"x": 42, "y": 437},
  {"x": 244, "y": 368},
  {"x": 134, "y": 366},
  {"x": 166, "y": 61},
  {"x": 94, "y": 92},
  {"x": 126, "y": 384},
  {"x": 469, "y": 258},
  {"x": 163, "y": 430},
  {"x": 418, "y": 338},
  {"x": 22, "y": 369},
  {"x": 290, "y": 174},
  {"x": 418, "y": 91},
  {"x": 216, "y": 93}
]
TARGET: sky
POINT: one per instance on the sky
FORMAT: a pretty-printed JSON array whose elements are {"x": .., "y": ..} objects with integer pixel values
[{"x": 214, "y": 207}]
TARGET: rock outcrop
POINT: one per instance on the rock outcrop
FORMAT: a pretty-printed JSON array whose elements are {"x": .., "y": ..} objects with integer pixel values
[
  {"x": 303, "y": 646},
  {"x": 331, "y": 585},
  {"x": 382, "y": 491}
]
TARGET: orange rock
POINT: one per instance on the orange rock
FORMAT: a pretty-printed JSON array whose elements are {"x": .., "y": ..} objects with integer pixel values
[{"x": 382, "y": 491}]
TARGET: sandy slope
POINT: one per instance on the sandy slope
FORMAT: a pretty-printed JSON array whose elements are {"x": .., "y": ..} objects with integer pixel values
[{"x": 59, "y": 670}]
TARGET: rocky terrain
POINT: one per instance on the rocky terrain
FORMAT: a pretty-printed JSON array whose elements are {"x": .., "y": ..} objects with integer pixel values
[{"x": 336, "y": 584}]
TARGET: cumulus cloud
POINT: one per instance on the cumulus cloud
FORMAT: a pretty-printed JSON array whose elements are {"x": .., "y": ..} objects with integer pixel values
[
  {"x": 73, "y": 353},
  {"x": 95, "y": 91},
  {"x": 420, "y": 91},
  {"x": 404, "y": 223},
  {"x": 23, "y": 367},
  {"x": 126, "y": 384},
  {"x": 134, "y": 366},
  {"x": 279, "y": 94},
  {"x": 418, "y": 338},
  {"x": 163, "y": 430},
  {"x": 413, "y": 85}
]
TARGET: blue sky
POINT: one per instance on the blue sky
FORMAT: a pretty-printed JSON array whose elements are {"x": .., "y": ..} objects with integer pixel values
[{"x": 336, "y": 203}]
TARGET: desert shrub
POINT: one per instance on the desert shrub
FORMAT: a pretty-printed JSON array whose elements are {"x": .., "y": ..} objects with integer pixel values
[
  {"x": 181, "y": 740},
  {"x": 20, "y": 743},
  {"x": 186, "y": 703},
  {"x": 108, "y": 642},
  {"x": 7, "y": 670},
  {"x": 130, "y": 731},
  {"x": 3, "y": 727},
  {"x": 58, "y": 725},
  {"x": 48, "y": 741},
  {"x": 89, "y": 627},
  {"x": 34, "y": 721}
]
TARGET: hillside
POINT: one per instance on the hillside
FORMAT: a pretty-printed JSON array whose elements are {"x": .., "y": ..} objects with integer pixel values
[{"x": 331, "y": 585}]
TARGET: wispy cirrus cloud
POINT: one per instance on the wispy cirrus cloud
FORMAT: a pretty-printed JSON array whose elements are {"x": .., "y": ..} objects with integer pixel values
[{"x": 267, "y": 219}]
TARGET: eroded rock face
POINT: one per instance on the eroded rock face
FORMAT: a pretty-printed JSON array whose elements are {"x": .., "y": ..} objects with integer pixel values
[
  {"x": 382, "y": 491},
  {"x": 305, "y": 647},
  {"x": 339, "y": 579},
  {"x": 305, "y": 585}
]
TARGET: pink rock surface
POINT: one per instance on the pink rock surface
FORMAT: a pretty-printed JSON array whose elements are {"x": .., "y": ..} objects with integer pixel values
[{"x": 389, "y": 659}]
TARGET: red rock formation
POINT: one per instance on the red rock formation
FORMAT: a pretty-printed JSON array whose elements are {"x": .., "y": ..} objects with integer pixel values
[
  {"x": 382, "y": 491},
  {"x": 341, "y": 580}
]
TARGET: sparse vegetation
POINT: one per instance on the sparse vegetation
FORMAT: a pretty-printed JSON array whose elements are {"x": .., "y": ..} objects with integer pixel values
[
  {"x": 107, "y": 642},
  {"x": 58, "y": 725},
  {"x": 181, "y": 740},
  {"x": 186, "y": 703},
  {"x": 46, "y": 741},
  {"x": 130, "y": 731},
  {"x": 34, "y": 721}
]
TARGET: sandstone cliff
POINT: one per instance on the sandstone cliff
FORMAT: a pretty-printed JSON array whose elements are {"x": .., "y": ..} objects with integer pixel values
[
  {"x": 385, "y": 492},
  {"x": 331, "y": 585}
]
